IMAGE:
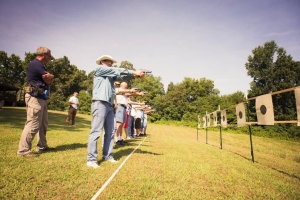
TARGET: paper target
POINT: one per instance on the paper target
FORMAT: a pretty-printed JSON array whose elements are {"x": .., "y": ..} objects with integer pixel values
[
  {"x": 240, "y": 114},
  {"x": 204, "y": 121},
  {"x": 208, "y": 120},
  {"x": 223, "y": 118},
  {"x": 215, "y": 116},
  {"x": 264, "y": 109}
]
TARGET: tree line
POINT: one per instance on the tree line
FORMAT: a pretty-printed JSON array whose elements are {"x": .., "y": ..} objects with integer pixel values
[{"x": 269, "y": 66}]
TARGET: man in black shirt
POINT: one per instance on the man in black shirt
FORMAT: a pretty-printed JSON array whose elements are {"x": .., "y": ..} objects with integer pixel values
[{"x": 36, "y": 96}]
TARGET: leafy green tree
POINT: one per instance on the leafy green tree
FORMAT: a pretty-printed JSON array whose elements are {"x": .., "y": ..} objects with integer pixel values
[
  {"x": 88, "y": 83},
  {"x": 189, "y": 98},
  {"x": 85, "y": 101},
  {"x": 11, "y": 70},
  {"x": 273, "y": 70}
]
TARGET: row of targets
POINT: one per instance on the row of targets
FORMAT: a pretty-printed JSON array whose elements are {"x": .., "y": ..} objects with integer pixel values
[{"x": 264, "y": 111}]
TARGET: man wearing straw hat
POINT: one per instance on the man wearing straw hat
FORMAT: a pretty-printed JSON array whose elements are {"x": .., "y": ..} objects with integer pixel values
[{"x": 102, "y": 107}]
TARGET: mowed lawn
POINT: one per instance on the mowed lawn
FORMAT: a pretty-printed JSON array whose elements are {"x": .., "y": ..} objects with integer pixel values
[{"x": 169, "y": 164}]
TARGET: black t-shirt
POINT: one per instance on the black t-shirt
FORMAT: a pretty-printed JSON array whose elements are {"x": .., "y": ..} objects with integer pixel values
[{"x": 34, "y": 73}]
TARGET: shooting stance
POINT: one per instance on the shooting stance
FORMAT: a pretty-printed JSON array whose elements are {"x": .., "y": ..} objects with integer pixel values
[{"x": 102, "y": 107}]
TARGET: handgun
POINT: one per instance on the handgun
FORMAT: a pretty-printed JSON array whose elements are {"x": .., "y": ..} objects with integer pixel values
[
  {"x": 147, "y": 71},
  {"x": 138, "y": 89}
]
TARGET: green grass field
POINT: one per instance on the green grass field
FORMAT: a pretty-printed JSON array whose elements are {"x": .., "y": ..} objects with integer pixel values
[{"x": 170, "y": 164}]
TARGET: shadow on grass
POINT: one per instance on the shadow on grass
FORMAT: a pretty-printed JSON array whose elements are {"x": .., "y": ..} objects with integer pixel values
[
  {"x": 125, "y": 152},
  {"x": 285, "y": 173},
  {"x": 216, "y": 146},
  {"x": 16, "y": 118},
  {"x": 70, "y": 146},
  {"x": 250, "y": 159}
]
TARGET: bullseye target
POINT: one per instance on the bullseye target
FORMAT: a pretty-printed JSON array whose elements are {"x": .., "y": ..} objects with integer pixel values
[
  {"x": 204, "y": 121},
  {"x": 215, "y": 116},
  {"x": 208, "y": 120},
  {"x": 240, "y": 114},
  {"x": 264, "y": 109},
  {"x": 223, "y": 118}
]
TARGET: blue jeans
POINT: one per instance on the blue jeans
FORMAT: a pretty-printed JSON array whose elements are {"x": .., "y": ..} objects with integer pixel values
[
  {"x": 130, "y": 128},
  {"x": 103, "y": 117}
]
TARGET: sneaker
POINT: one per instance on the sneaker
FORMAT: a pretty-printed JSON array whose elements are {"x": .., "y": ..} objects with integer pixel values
[
  {"x": 112, "y": 160},
  {"x": 29, "y": 155},
  {"x": 45, "y": 150},
  {"x": 92, "y": 164},
  {"x": 120, "y": 142}
]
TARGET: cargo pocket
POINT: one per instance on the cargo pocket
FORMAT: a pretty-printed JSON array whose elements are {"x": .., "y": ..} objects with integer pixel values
[{"x": 33, "y": 108}]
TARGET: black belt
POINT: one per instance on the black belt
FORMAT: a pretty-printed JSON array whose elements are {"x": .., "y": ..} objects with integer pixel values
[
  {"x": 123, "y": 105},
  {"x": 29, "y": 89}
]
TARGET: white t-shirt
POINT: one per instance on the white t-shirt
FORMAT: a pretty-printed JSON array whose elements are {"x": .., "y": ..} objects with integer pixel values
[
  {"x": 121, "y": 98},
  {"x": 138, "y": 113},
  {"x": 74, "y": 99}
]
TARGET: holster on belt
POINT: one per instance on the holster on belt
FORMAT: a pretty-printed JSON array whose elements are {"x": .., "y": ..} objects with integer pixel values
[{"x": 34, "y": 90}]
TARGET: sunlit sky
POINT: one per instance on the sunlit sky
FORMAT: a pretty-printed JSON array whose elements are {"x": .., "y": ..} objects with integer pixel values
[{"x": 173, "y": 38}]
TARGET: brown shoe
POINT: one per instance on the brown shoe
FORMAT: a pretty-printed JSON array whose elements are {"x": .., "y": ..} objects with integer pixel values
[{"x": 30, "y": 155}]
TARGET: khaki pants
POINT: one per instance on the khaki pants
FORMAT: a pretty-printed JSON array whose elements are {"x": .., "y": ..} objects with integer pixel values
[
  {"x": 37, "y": 122},
  {"x": 71, "y": 115}
]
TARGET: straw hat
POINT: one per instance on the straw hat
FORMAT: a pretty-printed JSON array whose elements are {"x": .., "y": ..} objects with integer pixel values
[{"x": 105, "y": 57}]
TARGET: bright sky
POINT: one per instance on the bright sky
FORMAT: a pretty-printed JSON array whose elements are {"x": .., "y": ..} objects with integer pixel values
[{"x": 173, "y": 38}]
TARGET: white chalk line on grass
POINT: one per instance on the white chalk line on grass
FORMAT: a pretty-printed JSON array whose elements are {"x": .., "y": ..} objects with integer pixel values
[{"x": 115, "y": 173}]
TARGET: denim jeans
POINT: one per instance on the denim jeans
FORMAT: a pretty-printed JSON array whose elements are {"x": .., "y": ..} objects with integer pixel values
[
  {"x": 102, "y": 117},
  {"x": 130, "y": 128}
]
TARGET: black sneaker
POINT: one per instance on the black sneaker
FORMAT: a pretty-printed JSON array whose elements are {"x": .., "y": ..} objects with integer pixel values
[
  {"x": 119, "y": 142},
  {"x": 45, "y": 150}
]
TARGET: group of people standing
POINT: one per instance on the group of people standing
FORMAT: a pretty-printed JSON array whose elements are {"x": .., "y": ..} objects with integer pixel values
[
  {"x": 111, "y": 108},
  {"x": 131, "y": 115}
]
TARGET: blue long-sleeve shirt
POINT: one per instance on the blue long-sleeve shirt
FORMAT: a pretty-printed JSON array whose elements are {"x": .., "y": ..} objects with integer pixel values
[{"x": 104, "y": 78}]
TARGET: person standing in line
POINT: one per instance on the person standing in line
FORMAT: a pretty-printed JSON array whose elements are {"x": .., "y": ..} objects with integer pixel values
[
  {"x": 121, "y": 114},
  {"x": 147, "y": 111},
  {"x": 132, "y": 104},
  {"x": 74, "y": 103},
  {"x": 102, "y": 107},
  {"x": 37, "y": 93}
]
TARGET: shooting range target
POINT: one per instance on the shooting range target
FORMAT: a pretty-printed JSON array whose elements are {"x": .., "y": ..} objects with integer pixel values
[
  {"x": 223, "y": 118},
  {"x": 264, "y": 109},
  {"x": 297, "y": 96},
  {"x": 204, "y": 121},
  {"x": 208, "y": 120},
  {"x": 215, "y": 116},
  {"x": 240, "y": 114}
]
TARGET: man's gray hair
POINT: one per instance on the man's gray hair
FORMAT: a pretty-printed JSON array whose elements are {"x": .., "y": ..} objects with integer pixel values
[{"x": 42, "y": 50}]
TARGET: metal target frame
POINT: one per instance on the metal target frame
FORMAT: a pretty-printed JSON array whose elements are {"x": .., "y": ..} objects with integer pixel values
[{"x": 264, "y": 112}]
